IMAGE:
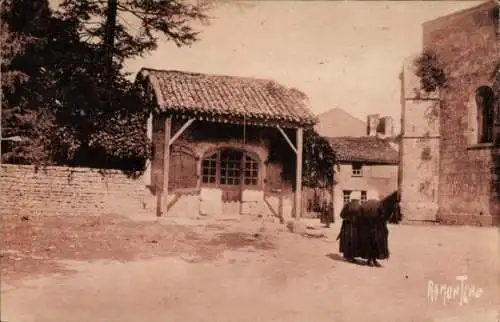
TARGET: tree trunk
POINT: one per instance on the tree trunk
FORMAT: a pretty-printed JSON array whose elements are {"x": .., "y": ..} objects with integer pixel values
[{"x": 109, "y": 41}]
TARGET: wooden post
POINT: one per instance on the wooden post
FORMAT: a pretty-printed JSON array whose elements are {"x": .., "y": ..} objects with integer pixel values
[
  {"x": 148, "y": 181},
  {"x": 298, "y": 178},
  {"x": 333, "y": 194},
  {"x": 166, "y": 166}
]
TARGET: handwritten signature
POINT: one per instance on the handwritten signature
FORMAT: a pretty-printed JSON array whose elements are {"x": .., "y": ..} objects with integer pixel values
[{"x": 463, "y": 291}]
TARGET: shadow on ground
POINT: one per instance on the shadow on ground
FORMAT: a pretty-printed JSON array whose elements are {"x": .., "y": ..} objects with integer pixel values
[
  {"x": 239, "y": 240},
  {"x": 339, "y": 258},
  {"x": 39, "y": 244}
]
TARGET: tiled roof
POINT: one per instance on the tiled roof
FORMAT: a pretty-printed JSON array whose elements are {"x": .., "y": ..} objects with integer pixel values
[
  {"x": 228, "y": 97},
  {"x": 364, "y": 149}
]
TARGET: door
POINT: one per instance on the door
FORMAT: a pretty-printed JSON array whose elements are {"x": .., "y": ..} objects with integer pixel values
[
  {"x": 231, "y": 171},
  {"x": 231, "y": 175}
]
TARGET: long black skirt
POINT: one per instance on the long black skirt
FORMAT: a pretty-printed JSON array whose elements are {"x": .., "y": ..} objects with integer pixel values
[
  {"x": 348, "y": 239},
  {"x": 373, "y": 238}
]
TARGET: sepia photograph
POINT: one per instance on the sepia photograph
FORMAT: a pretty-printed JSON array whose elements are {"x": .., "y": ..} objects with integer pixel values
[{"x": 244, "y": 161}]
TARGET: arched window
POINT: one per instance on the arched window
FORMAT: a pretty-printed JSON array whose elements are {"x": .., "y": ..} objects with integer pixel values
[
  {"x": 485, "y": 100},
  {"x": 230, "y": 167}
]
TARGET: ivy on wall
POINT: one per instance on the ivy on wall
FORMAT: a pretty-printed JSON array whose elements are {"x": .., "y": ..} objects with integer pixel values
[
  {"x": 430, "y": 71},
  {"x": 426, "y": 154}
]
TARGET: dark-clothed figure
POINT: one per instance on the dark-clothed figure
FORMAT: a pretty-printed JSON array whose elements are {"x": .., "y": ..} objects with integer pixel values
[
  {"x": 373, "y": 232},
  {"x": 348, "y": 235},
  {"x": 327, "y": 214}
]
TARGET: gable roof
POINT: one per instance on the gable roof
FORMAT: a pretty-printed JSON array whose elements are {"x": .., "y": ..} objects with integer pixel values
[
  {"x": 337, "y": 122},
  {"x": 228, "y": 97},
  {"x": 368, "y": 149}
]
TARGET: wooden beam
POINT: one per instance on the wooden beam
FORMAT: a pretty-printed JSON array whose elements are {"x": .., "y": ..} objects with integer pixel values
[
  {"x": 181, "y": 130},
  {"x": 298, "y": 178},
  {"x": 287, "y": 138},
  {"x": 261, "y": 122},
  {"x": 157, "y": 161},
  {"x": 147, "y": 172},
  {"x": 333, "y": 194},
  {"x": 162, "y": 201}
]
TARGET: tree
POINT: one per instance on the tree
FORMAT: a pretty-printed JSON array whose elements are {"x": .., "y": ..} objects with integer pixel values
[
  {"x": 70, "y": 109},
  {"x": 318, "y": 159},
  {"x": 132, "y": 28},
  {"x": 24, "y": 30}
]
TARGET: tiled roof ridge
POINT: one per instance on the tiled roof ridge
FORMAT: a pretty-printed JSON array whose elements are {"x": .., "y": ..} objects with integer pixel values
[
  {"x": 228, "y": 95},
  {"x": 229, "y": 78},
  {"x": 366, "y": 149}
]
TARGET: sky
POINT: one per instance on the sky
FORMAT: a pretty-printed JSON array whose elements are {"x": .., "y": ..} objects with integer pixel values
[{"x": 345, "y": 54}]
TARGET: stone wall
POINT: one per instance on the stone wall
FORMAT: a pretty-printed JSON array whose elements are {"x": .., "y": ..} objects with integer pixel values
[
  {"x": 53, "y": 190},
  {"x": 70, "y": 191},
  {"x": 419, "y": 151},
  {"x": 467, "y": 45}
]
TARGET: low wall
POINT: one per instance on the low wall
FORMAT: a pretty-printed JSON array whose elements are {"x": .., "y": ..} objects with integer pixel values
[
  {"x": 83, "y": 191},
  {"x": 70, "y": 191}
]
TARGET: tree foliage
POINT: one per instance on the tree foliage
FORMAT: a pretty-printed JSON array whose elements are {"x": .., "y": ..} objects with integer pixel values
[
  {"x": 139, "y": 23},
  {"x": 318, "y": 160},
  {"x": 54, "y": 91}
]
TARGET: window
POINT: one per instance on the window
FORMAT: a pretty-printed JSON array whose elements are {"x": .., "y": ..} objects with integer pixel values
[
  {"x": 230, "y": 167},
  {"x": 251, "y": 171},
  {"x": 484, "y": 101},
  {"x": 210, "y": 169},
  {"x": 363, "y": 196},
  {"x": 347, "y": 196},
  {"x": 357, "y": 170}
]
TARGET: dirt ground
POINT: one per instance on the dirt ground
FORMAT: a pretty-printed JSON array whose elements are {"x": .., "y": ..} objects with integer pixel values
[{"x": 112, "y": 268}]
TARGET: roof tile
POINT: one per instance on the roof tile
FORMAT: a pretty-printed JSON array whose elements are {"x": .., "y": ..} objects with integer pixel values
[
  {"x": 228, "y": 96},
  {"x": 364, "y": 149}
]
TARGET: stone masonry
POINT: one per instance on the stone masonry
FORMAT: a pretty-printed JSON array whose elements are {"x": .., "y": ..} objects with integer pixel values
[
  {"x": 467, "y": 172},
  {"x": 419, "y": 151},
  {"x": 70, "y": 191},
  {"x": 467, "y": 44}
]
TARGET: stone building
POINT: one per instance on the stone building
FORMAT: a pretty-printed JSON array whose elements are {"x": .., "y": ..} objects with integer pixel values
[
  {"x": 449, "y": 148},
  {"x": 366, "y": 163},
  {"x": 218, "y": 143}
]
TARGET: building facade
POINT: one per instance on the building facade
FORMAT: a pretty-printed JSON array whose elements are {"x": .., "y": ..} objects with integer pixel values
[
  {"x": 367, "y": 163},
  {"x": 217, "y": 142},
  {"x": 450, "y": 151}
]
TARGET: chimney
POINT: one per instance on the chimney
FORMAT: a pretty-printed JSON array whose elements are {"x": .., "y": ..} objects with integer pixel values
[
  {"x": 372, "y": 124},
  {"x": 386, "y": 127}
]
